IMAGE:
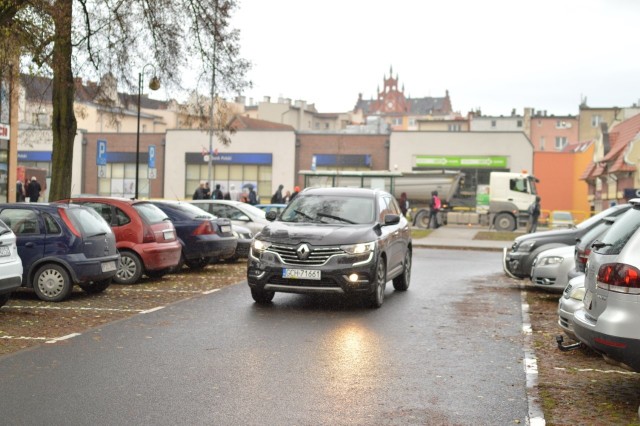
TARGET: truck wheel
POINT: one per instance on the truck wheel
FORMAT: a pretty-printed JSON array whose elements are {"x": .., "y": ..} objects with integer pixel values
[
  {"x": 504, "y": 222},
  {"x": 422, "y": 219}
]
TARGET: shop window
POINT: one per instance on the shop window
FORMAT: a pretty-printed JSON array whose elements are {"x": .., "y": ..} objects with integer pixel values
[{"x": 120, "y": 180}]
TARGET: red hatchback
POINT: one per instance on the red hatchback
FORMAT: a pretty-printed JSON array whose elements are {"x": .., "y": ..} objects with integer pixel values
[{"x": 145, "y": 237}]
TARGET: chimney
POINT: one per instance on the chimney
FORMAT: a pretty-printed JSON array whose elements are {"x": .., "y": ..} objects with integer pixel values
[
  {"x": 267, "y": 99},
  {"x": 606, "y": 145}
]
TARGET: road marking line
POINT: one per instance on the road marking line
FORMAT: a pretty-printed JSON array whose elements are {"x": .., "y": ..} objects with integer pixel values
[
  {"x": 24, "y": 338},
  {"x": 152, "y": 310},
  {"x": 141, "y": 290},
  {"x": 536, "y": 415},
  {"x": 597, "y": 370},
  {"x": 211, "y": 291},
  {"x": 59, "y": 339},
  {"x": 71, "y": 308}
]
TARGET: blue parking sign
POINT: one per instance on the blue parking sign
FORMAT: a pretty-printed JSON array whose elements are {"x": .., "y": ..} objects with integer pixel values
[
  {"x": 152, "y": 156},
  {"x": 101, "y": 153}
]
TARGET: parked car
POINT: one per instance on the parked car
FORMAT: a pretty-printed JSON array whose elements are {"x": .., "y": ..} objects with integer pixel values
[
  {"x": 268, "y": 207},
  {"x": 550, "y": 269},
  {"x": 145, "y": 236},
  {"x": 10, "y": 264},
  {"x": 517, "y": 261},
  {"x": 204, "y": 238},
  {"x": 569, "y": 303},
  {"x": 241, "y": 214},
  {"x": 60, "y": 245},
  {"x": 244, "y": 236},
  {"x": 561, "y": 219},
  {"x": 609, "y": 317},
  {"x": 347, "y": 241},
  {"x": 583, "y": 246}
]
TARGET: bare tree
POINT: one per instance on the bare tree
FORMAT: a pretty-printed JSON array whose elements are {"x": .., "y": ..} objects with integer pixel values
[{"x": 178, "y": 38}]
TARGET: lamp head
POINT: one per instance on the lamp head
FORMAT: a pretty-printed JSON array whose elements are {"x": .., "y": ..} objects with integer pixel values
[{"x": 154, "y": 84}]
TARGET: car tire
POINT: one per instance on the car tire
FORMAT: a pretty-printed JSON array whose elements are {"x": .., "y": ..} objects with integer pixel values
[
  {"x": 401, "y": 282},
  {"x": 504, "y": 222},
  {"x": 376, "y": 297},
  {"x": 96, "y": 286},
  {"x": 51, "y": 283},
  {"x": 197, "y": 264},
  {"x": 4, "y": 298},
  {"x": 129, "y": 269},
  {"x": 157, "y": 274},
  {"x": 262, "y": 296}
]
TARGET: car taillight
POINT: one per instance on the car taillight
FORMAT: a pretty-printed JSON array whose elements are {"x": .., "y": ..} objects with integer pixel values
[
  {"x": 205, "y": 228},
  {"x": 148, "y": 236},
  {"x": 619, "y": 277},
  {"x": 583, "y": 256},
  {"x": 67, "y": 221}
]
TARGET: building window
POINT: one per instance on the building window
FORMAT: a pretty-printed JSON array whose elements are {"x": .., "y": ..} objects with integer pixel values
[
  {"x": 519, "y": 123},
  {"x": 454, "y": 127},
  {"x": 120, "y": 180},
  {"x": 493, "y": 124},
  {"x": 561, "y": 142},
  {"x": 541, "y": 143},
  {"x": 397, "y": 121},
  {"x": 412, "y": 122},
  {"x": 595, "y": 120},
  {"x": 326, "y": 126},
  {"x": 539, "y": 123},
  {"x": 226, "y": 175}
]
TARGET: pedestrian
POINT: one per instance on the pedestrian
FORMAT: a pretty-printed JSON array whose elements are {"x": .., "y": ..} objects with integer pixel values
[
  {"x": 253, "y": 197},
  {"x": 33, "y": 190},
  {"x": 199, "y": 193},
  {"x": 435, "y": 207},
  {"x": 207, "y": 191},
  {"x": 287, "y": 197},
  {"x": 404, "y": 204},
  {"x": 277, "y": 198},
  {"x": 534, "y": 214},
  {"x": 296, "y": 190},
  {"x": 217, "y": 193},
  {"x": 20, "y": 192},
  {"x": 234, "y": 194}
]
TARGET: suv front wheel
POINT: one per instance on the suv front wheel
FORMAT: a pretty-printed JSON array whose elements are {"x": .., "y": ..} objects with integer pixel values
[
  {"x": 376, "y": 298},
  {"x": 262, "y": 296},
  {"x": 401, "y": 282}
]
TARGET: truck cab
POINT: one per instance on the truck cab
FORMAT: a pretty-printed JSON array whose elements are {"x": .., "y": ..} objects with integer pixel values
[{"x": 510, "y": 195}]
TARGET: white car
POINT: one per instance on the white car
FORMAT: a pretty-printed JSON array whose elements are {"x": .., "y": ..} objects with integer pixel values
[
  {"x": 550, "y": 269},
  {"x": 10, "y": 263},
  {"x": 240, "y": 214},
  {"x": 570, "y": 302}
]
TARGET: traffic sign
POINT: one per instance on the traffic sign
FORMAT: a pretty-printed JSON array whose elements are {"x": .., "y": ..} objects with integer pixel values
[
  {"x": 152, "y": 157},
  {"x": 101, "y": 154}
]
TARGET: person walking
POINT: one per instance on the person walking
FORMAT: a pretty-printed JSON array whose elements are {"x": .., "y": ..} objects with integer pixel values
[
  {"x": 253, "y": 197},
  {"x": 296, "y": 190},
  {"x": 404, "y": 204},
  {"x": 217, "y": 193},
  {"x": 199, "y": 193},
  {"x": 20, "y": 192},
  {"x": 435, "y": 207},
  {"x": 33, "y": 190},
  {"x": 234, "y": 194},
  {"x": 277, "y": 198},
  {"x": 534, "y": 214}
]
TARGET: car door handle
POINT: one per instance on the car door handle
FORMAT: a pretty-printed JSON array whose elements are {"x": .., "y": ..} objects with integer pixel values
[{"x": 29, "y": 244}]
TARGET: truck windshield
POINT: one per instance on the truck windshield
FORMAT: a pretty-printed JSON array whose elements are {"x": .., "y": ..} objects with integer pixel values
[{"x": 532, "y": 186}]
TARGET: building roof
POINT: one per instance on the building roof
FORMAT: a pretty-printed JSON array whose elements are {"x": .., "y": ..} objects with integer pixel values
[{"x": 241, "y": 122}]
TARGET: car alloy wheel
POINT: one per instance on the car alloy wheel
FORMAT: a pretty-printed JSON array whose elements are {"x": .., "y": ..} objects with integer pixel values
[
  {"x": 376, "y": 298},
  {"x": 401, "y": 282},
  {"x": 129, "y": 269}
]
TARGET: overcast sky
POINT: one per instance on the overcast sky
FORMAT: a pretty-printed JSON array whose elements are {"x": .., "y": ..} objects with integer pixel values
[{"x": 491, "y": 54}]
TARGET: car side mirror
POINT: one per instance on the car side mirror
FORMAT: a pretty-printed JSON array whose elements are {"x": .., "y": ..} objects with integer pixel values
[
  {"x": 391, "y": 219},
  {"x": 271, "y": 215}
]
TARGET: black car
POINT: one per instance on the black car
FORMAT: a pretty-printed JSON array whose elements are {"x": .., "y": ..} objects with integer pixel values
[
  {"x": 518, "y": 260},
  {"x": 348, "y": 241},
  {"x": 61, "y": 245},
  {"x": 204, "y": 238}
]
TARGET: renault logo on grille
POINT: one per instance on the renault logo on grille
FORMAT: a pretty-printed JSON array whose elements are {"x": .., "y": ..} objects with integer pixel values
[{"x": 303, "y": 251}]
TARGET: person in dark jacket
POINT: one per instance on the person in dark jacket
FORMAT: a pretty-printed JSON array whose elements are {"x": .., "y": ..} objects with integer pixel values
[
  {"x": 200, "y": 192},
  {"x": 20, "y": 191},
  {"x": 33, "y": 190},
  {"x": 277, "y": 197},
  {"x": 296, "y": 190},
  {"x": 217, "y": 193},
  {"x": 534, "y": 214},
  {"x": 404, "y": 204}
]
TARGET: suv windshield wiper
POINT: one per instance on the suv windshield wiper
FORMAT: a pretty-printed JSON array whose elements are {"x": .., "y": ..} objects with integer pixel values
[
  {"x": 330, "y": 216},
  {"x": 303, "y": 214},
  {"x": 598, "y": 245}
]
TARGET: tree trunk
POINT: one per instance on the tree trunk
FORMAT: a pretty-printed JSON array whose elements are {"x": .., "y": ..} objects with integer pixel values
[{"x": 64, "y": 124}]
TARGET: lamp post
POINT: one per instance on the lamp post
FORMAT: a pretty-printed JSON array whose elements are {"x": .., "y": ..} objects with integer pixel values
[{"x": 154, "y": 84}]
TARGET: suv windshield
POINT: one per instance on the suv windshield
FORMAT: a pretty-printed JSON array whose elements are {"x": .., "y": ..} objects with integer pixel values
[
  {"x": 150, "y": 213},
  {"x": 330, "y": 209},
  {"x": 611, "y": 211},
  {"x": 619, "y": 233}
]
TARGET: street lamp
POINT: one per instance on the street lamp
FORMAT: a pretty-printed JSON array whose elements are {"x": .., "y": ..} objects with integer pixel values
[{"x": 154, "y": 84}]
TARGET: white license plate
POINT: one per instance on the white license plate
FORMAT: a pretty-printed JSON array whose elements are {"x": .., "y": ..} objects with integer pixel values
[
  {"x": 5, "y": 251},
  {"x": 301, "y": 274},
  {"x": 225, "y": 228},
  {"x": 169, "y": 235},
  {"x": 108, "y": 266},
  {"x": 587, "y": 299}
]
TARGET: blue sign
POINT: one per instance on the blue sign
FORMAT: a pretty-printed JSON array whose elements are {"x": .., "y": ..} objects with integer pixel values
[
  {"x": 101, "y": 153},
  {"x": 152, "y": 156},
  {"x": 44, "y": 156}
]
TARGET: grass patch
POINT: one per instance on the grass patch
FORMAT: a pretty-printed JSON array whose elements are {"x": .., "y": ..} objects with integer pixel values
[
  {"x": 420, "y": 233},
  {"x": 497, "y": 235}
]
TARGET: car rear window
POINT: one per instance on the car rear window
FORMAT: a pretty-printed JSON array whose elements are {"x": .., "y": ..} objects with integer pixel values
[
  {"x": 620, "y": 232},
  {"x": 88, "y": 221},
  {"x": 191, "y": 210},
  {"x": 150, "y": 213}
]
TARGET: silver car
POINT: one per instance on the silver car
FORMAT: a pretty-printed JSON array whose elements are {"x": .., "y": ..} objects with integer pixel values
[
  {"x": 569, "y": 303},
  {"x": 241, "y": 214},
  {"x": 608, "y": 320},
  {"x": 550, "y": 269}
]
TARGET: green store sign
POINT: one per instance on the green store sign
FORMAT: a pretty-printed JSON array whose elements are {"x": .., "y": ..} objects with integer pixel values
[{"x": 497, "y": 162}]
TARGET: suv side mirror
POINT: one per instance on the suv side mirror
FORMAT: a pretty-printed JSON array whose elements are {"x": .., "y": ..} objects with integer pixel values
[
  {"x": 391, "y": 219},
  {"x": 271, "y": 215}
]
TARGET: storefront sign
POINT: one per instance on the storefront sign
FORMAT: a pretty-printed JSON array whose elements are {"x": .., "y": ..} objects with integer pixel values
[
  {"x": 630, "y": 193},
  {"x": 4, "y": 131},
  {"x": 229, "y": 158},
  {"x": 447, "y": 161}
]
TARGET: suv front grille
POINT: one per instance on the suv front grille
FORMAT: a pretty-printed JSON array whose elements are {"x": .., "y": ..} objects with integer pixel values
[{"x": 318, "y": 255}]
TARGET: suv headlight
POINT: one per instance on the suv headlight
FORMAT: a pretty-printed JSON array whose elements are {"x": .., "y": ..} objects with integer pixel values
[
  {"x": 259, "y": 246},
  {"x": 550, "y": 260},
  {"x": 360, "y": 248}
]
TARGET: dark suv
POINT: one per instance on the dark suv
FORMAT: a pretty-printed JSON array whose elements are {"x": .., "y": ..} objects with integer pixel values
[
  {"x": 348, "y": 241},
  {"x": 60, "y": 245},
  {"x": 518, "y": 260}
]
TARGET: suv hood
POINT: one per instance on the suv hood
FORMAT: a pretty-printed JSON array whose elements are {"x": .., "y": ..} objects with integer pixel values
[
  {"x": 548, "y": 234},
  {"x": 319, "y": 234}
]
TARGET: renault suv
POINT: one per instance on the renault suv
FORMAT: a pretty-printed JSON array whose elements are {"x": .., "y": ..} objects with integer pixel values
[
  {"x": 145, "y": 236},
  {"x": 61, "y": 245},
  {"x": 609, "y": 317},
  {"x": 347, "y": 241}
]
